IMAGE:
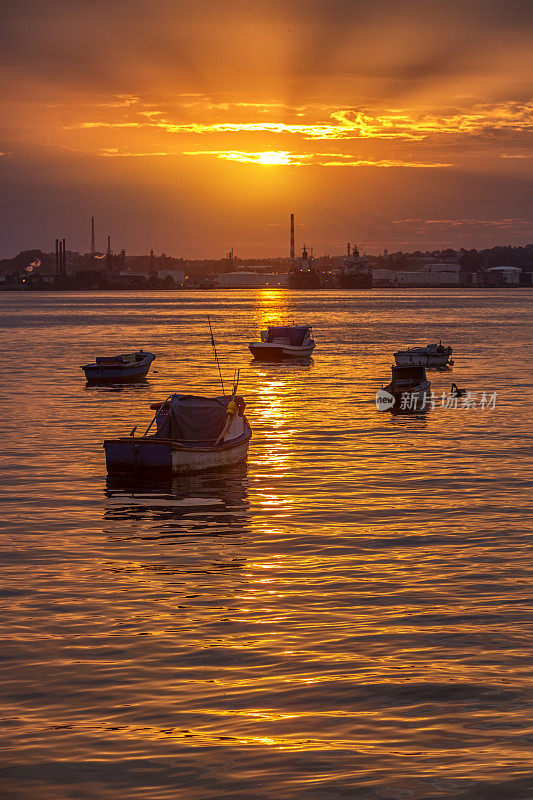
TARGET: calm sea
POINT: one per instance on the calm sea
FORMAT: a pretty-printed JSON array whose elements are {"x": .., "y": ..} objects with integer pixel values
[{"x": 347, "y": 616}]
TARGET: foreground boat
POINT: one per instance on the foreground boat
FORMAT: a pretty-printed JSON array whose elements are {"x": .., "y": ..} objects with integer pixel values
[
  {"x": 192, "y": 434},
  {"x": 126, "y": 368},
  {"x": 433, "y": 355},
  {"x": 279, "y": 342},
  {"x": 409, "y": 388}
]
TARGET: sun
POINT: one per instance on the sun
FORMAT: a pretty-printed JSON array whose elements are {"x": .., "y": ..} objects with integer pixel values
[{"x": 273, "y": 157}]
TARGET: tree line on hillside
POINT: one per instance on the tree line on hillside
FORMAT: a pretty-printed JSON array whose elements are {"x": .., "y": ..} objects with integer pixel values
[{"x": 471, "y": 260}]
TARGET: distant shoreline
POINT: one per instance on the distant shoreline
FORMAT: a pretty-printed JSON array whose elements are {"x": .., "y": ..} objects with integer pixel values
[{"x": 329, "y": 290}]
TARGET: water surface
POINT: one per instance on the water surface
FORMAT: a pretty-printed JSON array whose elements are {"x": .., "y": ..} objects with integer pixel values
[{"x": 346, "y": 616}]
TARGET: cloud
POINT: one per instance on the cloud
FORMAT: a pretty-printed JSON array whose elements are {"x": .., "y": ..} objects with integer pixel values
[
  {"x": 350, "y": 123},
  {"x": 285, "y": 158},
  {"x": 113, "y": 152},
  {"x": 266, "y": 157},
  {"x": 286, "y": 50},
  {"x": 122, "y": 101},
  {"x": 387, "y": 163},
  {"x": 511, "y": 222}
]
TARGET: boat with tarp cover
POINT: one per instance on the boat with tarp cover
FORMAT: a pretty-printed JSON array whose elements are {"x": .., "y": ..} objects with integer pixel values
[
  {"x": 410, "y": 389},
  {"x": 125, "y": 368},
  {"x": 283, "y": 341},
  {"x": 191, "y": 434}
]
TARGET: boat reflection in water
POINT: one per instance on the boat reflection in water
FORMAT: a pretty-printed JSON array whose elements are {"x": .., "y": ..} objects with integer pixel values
[
  {"x": 167, "y": 507},
  {"x": 116, "y": 387},
  {"x": 302, "y": 361}
]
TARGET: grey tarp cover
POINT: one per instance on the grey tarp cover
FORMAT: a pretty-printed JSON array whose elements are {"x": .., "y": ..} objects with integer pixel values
[
  {"x": 409, "y": 373},
  {"x": 295, "y": 334},
  {"x": 192, "y": 419}
]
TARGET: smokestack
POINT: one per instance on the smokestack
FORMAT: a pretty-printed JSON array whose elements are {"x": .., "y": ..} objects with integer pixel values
[
  {"x": 292, "y": 237},
  {"x": 93, "y": 245},
  {"x": 109, "y": 245},
  {"x": 61, "y": 268},
  {"x": 348, "y": 248}
]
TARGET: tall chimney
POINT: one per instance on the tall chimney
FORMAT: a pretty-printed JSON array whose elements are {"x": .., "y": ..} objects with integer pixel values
[
  {"x": 57, "y": 256},
  {"x": 292, "y": 237},
  {"x": 64, "y": 259},
  {"x": 348, "y": 248},
  {"x": 109, "y": 257},
  {"x": 93, "y": 245}
]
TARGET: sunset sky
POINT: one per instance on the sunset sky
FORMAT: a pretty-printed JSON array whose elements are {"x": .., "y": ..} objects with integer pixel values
[{"x": 193, "y": 126}]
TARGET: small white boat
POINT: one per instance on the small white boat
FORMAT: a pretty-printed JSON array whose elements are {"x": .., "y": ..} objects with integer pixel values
[
  {"x": 283, "y": 341},
  {"x": 409, "y": 389},
  {"x": 433, "y": 355},
  {"x": 126, "y": 368},
  {"x": 192, "y": 434}
]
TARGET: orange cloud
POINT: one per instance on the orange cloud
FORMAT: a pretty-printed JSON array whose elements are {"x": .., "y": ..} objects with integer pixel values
[
  {"x": 122, "y": 101},
  {"x": 266, "y": 157},
  {"x": 283, "y": 157},
  {"x": 345, "y": 123},
  {"x": 385, "y": 163},
  {"x": 511, "y": 222},
  {"x": 113, "y": 152}
]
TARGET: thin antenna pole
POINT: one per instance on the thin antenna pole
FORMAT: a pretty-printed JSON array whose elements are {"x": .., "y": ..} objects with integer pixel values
[
  {"x": 236, "y": 373},
  {"x": 292, "y": 238},
  {"x": 216, "y": 355}
]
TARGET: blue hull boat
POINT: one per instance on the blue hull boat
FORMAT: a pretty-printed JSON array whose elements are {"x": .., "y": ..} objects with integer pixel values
[{"x": 126, "y": 368}]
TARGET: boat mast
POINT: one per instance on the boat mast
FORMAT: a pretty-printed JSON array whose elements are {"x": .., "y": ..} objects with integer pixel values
[{"x": 216, "y": 355}]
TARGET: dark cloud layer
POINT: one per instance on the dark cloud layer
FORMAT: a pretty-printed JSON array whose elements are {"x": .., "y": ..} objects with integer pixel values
[{"x": 124, "y": 46}]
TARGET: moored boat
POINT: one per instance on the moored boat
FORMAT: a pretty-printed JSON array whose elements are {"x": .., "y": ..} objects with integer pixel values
[
  {"x": 433, "y": 355},
  {"x": 192, "y": 434},
  {"x": 287, "y": 341},
  {"x": 409, "y": 389},
  {"x": 126, "y": 368}
]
